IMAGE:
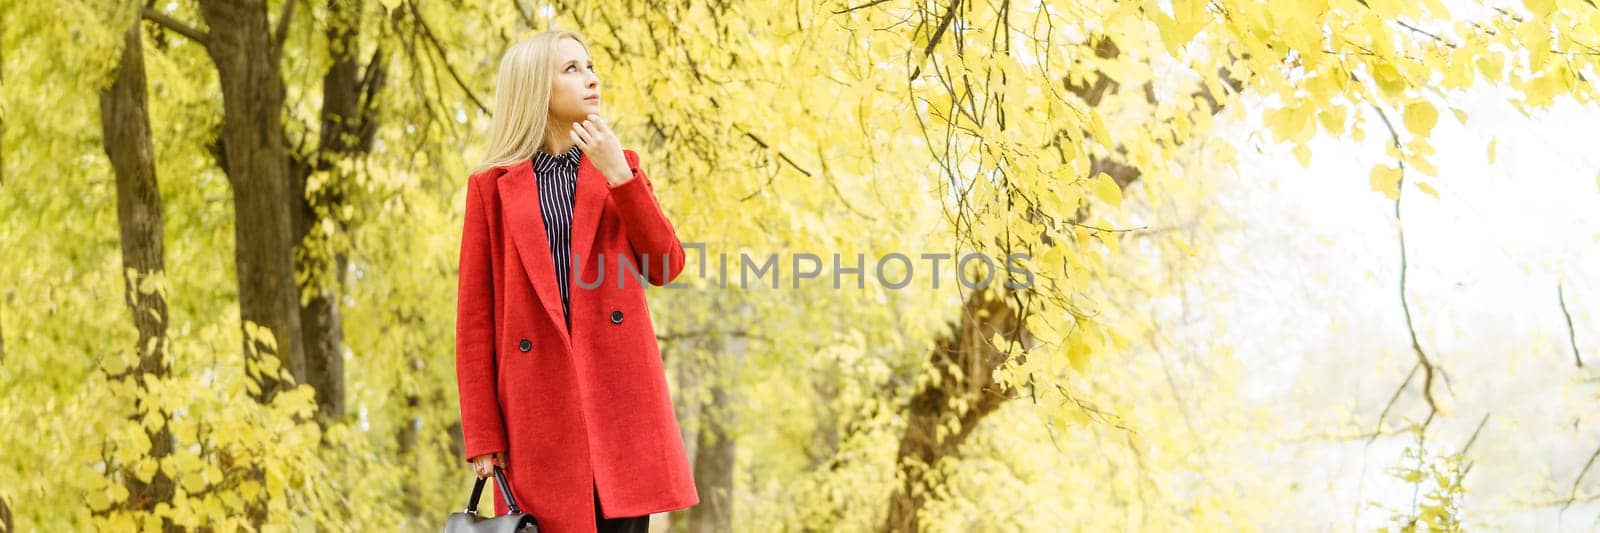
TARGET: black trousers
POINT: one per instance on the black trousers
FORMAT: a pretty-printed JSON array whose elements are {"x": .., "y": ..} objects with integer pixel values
[{"x": 625, "y": 524}]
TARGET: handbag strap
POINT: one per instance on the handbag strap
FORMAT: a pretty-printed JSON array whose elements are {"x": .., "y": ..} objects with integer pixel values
[{"x": 505, "y": 490}]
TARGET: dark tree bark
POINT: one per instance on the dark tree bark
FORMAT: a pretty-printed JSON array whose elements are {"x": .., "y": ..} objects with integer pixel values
[
  {"x": 255, "y": 158},
  {"x": 125, "y": 129},
  {"x": 713, "y": 468},
  {"x": 348, "y": 96},
  {"x": 711, "y": 446},
  {"x": 968, "y": 347},
  {"x": 406, "y": 437}
]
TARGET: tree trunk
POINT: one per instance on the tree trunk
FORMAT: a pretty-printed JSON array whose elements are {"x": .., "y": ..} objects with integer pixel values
[
  {"x": 125, "y": 128},
  {"x": 714, "y": 453},
  {"x": 406, "y": 437},
  {"x": 713, "y": 469},
  {"x": 347, "y": 131},
  {"x": 256, "y": 160},
  {"x": 936, "y": 405}
]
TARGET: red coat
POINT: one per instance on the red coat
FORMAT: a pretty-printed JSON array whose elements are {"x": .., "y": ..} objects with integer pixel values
[{"x": 569, "y": 410}]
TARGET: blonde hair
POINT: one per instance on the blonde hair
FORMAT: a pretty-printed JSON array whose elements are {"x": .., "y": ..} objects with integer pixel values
[{"x": 522, "y": 99}]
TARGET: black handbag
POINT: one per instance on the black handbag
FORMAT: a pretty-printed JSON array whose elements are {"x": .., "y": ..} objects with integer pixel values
[{"x": 514, "y": 521}]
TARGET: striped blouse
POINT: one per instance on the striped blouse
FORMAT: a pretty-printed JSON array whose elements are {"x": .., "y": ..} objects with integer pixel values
[{"x": 558, "y": 179}]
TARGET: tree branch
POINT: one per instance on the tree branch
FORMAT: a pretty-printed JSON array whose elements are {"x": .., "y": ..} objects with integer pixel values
[
  {"x": 427, "y": 33},
  {"x": 175, "y": 25},
  {"x": 944, "y": 24},
  {"x": 283, "y": 24}
]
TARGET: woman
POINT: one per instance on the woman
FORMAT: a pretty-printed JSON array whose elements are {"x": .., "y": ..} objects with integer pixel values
[{"x": 560, "y": 377}]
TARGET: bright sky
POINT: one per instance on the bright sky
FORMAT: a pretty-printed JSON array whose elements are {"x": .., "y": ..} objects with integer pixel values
[{"x": 1311, "y": 283}]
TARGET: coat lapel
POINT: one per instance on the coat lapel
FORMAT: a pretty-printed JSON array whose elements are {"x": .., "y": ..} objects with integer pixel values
[
  {"x": 591, "y": 199},
  {"x": 519, "y": 193}
]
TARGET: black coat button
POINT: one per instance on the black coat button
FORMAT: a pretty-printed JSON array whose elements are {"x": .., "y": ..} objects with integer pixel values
[
  {"x": 525, "y": 345},
  {"x": 616, "y": 317}
]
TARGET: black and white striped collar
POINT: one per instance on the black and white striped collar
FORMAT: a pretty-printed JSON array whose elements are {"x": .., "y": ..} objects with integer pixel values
[{"x": 544, "y": 162}]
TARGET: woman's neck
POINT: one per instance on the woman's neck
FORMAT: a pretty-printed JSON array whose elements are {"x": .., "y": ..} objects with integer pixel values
[{"x": 558, "y": 139}]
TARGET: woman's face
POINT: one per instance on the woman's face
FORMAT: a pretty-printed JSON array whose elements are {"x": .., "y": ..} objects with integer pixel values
[{"x": 575, "y": 89}]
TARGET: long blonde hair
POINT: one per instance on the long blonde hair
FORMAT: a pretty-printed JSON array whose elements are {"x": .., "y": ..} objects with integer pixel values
[{"x": 522, "y": 99}]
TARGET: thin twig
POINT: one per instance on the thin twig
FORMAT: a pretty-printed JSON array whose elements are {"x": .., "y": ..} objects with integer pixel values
[
  {"x": 1572, "y": 495},
  {"x": 1405, "y": 306},
  {"x": 862, "y": 6},
  {"x": 1475, "y": 432},
  {"x": 1572, "y": 335},
  {"x": 1392, "y": 399}
]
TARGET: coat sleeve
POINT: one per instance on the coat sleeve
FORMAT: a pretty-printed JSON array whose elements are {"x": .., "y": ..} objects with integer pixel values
[
  {"x": 649, "y": 232},
  {"x": 482, "y": 427}
]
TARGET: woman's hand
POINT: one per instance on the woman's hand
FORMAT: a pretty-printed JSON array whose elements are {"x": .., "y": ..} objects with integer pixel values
[
  {"x": 483, "y": 465},
  {"x": 603, "y": 148}
]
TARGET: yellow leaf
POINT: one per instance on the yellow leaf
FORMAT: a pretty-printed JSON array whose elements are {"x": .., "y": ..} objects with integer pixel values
[
  {"x": 1428, "y": 189},
  {"x": 1302, "y": 153},
  {"x": 1461, "y": 116},
  {"x": 1332, "y": 118},
  {"x": 1420, "y": 117},
  {"x": 153, "y": 421},
  {"x": 1386, "y": 179},
  {"x": 1183, "y": 246},
  {"x": 146, "y": 469},
  {"x": 1491, "y": 150},
  {"x": 1491, "y": 65},
  {"x": 1077, "y": 353},
  {"x": 194, "y": 482},
  {"x": 1422, "y": 165},
  {"x": 114, "y": 363},
  {"x": 249, "y": 489},
  {"x": 1389, "y": 78},
  {"x": 269, "y": 365},
  {"x": 1107, "y": 189}
]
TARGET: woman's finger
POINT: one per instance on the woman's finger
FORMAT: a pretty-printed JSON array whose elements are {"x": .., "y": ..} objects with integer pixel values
[
  {"x": 596, "y": 133},
  {"x": 601, "y": 124},
  {"x": 576, "y": 139}
]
